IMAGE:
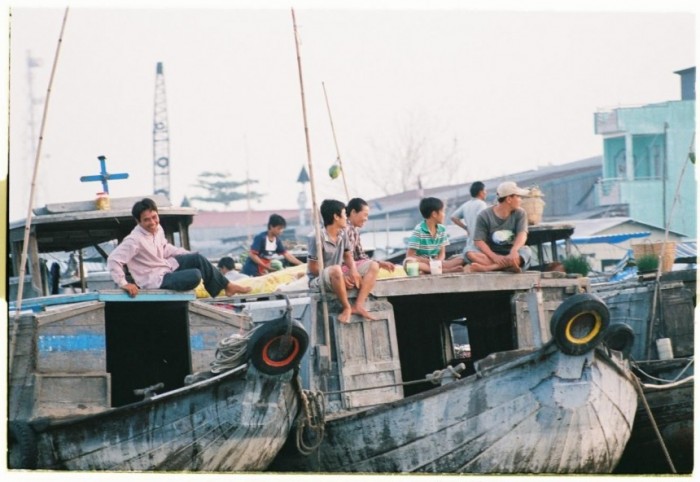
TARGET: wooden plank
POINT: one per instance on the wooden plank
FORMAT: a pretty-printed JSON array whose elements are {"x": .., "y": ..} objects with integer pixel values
[
  {"x": 71, "y": 340},
  {"x": 457, "y": 283},
  {"x": 147, "y": 295},
  {"x": 38, "y": 304},
  {"x": 209, "y": 325},
  {"x": 62, "y": 394}
]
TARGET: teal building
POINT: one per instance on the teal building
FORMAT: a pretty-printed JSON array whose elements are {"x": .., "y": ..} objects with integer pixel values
[{"x": 647, "y": 167}]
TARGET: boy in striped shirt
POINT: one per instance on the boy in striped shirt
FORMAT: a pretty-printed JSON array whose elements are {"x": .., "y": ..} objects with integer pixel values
[{"x": 429, "y": 238}]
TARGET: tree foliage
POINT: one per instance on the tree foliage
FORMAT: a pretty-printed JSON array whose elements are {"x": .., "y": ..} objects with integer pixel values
[
  {"x": 219, "y": 188},
  {"x": 416, "y": 157}
]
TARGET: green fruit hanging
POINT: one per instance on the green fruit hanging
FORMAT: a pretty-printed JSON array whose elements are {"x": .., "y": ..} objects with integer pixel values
[{"x": 334, "y": 171}]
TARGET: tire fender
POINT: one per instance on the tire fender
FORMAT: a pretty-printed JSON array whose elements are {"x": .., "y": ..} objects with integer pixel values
[
  {"x": 579, "y": 323},
  {"x": 620, "y": 337},
  {"x": 273, "y": 351}
]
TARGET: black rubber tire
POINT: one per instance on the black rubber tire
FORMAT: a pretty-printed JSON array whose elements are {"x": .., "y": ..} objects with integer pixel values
[
  {"x": 620, "y": 337},
  {"x": 265, "y": 341},
  {"x": 579, "y": 323},
  {"x": 21, "y": 446}
]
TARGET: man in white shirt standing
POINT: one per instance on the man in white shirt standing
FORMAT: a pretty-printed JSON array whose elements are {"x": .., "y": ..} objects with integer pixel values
[
  {"x": 465, "y": 215},
  {"x": 154, "y": 263}
]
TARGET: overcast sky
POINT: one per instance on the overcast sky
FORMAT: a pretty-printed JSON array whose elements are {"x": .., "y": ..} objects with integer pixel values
[{"x": 506, "y": 90}]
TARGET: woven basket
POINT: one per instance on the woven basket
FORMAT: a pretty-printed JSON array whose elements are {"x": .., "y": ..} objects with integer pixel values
[
  {"x": 534, "y": 207},
  {"x": 654, "y": 249}
]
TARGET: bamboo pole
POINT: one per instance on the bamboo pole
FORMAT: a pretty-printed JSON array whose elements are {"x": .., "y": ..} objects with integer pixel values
[
  {"x": 314, "y": 204},
  {"x": 654, "y": 300},
  {"x": 28, "y": 223},
  {"x": 335, "y": 140}
]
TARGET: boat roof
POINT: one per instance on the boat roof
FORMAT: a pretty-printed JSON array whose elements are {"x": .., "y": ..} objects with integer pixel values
[{"x": 77, "y": 225}]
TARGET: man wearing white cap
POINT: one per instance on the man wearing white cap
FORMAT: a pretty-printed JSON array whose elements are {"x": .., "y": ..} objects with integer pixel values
[{"x": 500, "y": 234}]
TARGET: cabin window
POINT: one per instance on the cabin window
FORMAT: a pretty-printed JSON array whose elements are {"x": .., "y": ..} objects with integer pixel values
[{"x": 147, "y": 343}]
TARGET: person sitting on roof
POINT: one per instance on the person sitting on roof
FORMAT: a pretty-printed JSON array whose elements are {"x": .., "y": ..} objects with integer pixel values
[
  {"x": 154, "y": 263},
  {"x": 335, "y": 252},
  {"x": 357, "y": 212},
  {"x": 500, "y": 234},
  {"x": 429, "y": 238},
  {"x": 266, "y": 245}
]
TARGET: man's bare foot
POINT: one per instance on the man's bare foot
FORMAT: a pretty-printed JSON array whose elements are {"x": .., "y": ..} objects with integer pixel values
[
  {"x": 233, "y": 289},
  {"x": 478, "y": 268},
  {"x": 344, "y": 316},
  {"x": 467, "y": 268},
  {"x": 514, "y": 269},
  {"x": 360, "y": 310}
]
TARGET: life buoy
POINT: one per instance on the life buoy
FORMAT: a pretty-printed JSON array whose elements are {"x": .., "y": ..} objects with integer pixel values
[
  {"x": 620, "y": 337},
  {"x": 579, "y": 323},
  {"x": 21, "y": 446},
  {"x": 273, "y": 350}
]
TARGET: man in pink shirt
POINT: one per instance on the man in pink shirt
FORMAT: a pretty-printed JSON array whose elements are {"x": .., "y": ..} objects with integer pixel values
[{"x": 156, "y": 264}]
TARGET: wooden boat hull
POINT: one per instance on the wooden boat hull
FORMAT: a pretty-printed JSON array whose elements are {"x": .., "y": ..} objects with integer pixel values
[
  {"x": 671, "y": 407},
  {"x": 236, "y": 421},
  {"x": 544, "y": 412}
]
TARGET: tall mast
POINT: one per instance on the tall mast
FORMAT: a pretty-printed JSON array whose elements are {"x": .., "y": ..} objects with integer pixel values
[{"x": 161, "y": 137}]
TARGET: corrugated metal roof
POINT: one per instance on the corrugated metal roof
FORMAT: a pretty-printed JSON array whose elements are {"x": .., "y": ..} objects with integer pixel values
[
  {"x": 609, "y": 238},
  {"x": 687, "y": 252}
]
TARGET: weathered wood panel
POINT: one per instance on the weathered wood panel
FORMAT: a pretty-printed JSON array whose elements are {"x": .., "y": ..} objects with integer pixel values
[
  {"x": 677, "y": 315},
  {"x": 71, "y": 339},
  {"x": 209, "y": 325},
  {"x": 368, "y": 357},
  {"x": 65, "y": 394}
]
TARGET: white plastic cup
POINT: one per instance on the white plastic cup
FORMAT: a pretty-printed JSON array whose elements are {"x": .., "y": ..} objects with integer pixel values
[
  {"x": 435, "y": 266},
  {"x": 664, "y": 348}
]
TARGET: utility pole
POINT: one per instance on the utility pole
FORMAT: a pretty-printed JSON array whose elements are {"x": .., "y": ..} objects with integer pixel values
[{"x": 161, "y": 137}]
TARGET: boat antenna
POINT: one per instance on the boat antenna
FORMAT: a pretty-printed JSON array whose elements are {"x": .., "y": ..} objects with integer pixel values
[
  {"x": 28, "y": 223},
  {"x": 314, "y": 204},
  {"x": 335, "y": 140}
]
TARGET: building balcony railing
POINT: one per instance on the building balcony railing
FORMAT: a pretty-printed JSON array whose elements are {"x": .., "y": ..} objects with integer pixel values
[
  {"x": 606, "y": 122},
  {"x": 614, "y": 191}
]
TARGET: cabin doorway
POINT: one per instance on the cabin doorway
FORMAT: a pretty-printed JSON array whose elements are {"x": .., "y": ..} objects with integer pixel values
[
  {"x": 424, "y": 336},
  {"x": 147, "y": 343}
]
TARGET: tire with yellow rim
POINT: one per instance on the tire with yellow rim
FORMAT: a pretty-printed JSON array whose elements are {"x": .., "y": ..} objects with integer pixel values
[{"x": 579, "y": 323}]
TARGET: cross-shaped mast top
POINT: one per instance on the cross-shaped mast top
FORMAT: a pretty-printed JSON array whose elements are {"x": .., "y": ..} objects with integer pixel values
[{"x": 104, "y": 176}]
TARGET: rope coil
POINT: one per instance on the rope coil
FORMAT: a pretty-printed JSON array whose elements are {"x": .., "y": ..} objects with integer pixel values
[
  {"x": 311, "y": 421},
  {"x": 230, "y": 353}
]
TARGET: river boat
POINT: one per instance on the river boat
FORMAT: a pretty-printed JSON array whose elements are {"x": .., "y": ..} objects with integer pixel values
[
  {"x": 100, "y": 381},
  {"x": 538, "y": 393},
  {"x": 665, "y": 368}
]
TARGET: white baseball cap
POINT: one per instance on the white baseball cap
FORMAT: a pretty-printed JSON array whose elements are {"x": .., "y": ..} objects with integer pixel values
[{"x": 509, "y": 188}]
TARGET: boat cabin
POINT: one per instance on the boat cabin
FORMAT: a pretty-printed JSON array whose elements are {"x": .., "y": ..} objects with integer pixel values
[
  {"x": 82, "y": 354},
  {"x": 421, "y": 323},
  {"x": 75, "y": 226}
]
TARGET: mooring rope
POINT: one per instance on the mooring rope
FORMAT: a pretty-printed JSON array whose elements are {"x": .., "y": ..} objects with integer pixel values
[
  {"x": 311, "y": 419},
  {"x": 676, "y": 381},
  {"x": 230, "y": 353}
]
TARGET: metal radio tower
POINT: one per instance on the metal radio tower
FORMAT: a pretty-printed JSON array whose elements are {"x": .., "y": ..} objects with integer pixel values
[
  {"x": 32, "y": 63},
  {"x": 161, "y": 137}
]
